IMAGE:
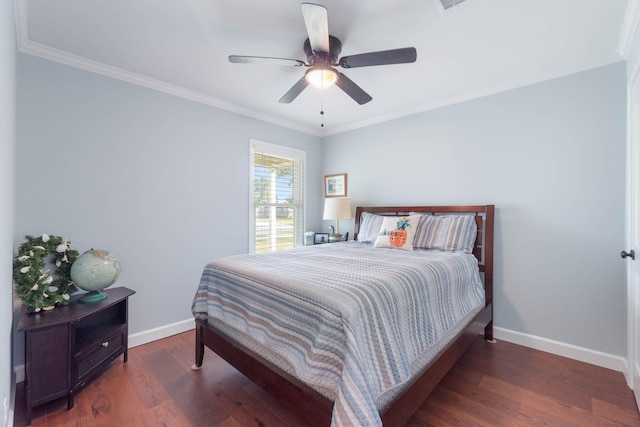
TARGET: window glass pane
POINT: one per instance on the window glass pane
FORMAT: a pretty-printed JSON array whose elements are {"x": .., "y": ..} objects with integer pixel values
[{"x": 277, "y": 200}]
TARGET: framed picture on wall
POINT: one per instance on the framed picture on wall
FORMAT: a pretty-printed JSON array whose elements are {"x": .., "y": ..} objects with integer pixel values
[{"x": 335, "y": 185}]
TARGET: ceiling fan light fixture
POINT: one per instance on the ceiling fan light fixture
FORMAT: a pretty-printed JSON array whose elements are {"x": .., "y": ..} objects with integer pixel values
[{"x": 321, "y": 77}]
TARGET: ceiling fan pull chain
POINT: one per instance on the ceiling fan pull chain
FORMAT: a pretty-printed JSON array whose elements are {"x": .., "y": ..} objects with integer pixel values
[{"x": 322, "y": 109}]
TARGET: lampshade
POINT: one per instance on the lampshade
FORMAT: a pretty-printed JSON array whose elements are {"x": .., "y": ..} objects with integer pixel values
[
  {"x": 321, "y": 77},
  {"x": 337, "y": 208}
]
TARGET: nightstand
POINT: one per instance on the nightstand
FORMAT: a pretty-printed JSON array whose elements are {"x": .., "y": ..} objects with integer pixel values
[{"x": 71, "y": 345}]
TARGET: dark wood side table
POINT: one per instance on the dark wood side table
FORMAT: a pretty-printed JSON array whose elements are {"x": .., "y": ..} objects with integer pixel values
[{"x": 71, "y": 345}]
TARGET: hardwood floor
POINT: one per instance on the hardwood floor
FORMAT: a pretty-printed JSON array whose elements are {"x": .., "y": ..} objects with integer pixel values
[{"x": 498, "y": 384}]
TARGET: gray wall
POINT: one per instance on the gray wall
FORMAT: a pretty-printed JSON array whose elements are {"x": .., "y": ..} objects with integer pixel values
[
  {"x": 160, "y": 181},
  {"x": 551, "y": 157},
  {"x": 7, "y": 146}
]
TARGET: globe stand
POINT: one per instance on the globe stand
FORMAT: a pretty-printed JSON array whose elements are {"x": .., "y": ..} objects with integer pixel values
[{"x": 92, "y": 297}]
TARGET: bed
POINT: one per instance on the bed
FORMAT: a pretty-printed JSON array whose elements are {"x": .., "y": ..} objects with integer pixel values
[{"x": 338, "y": 331}]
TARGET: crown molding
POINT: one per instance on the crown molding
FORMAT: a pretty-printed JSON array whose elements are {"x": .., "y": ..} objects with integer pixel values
[
  {"x": 25, "y": 45},
  {"x": 62, "y": 57},
  {"x": 20, "y": 15},
  {"x": 56, "y": 55},
  {"x": 630, "y": 28},
  {"x": 491, "y": 90}
]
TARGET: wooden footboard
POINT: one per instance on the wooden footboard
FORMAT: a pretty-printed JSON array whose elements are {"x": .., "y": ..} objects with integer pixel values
[
  {"x": 314, "y": 407},
  {"x": 311, "y": 405},
  {"x": 300, "y": 398},
  {"x": 401, "y": 409}
]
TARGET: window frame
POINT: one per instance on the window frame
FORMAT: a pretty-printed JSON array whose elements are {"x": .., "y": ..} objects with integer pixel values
[{"x": 257, "y": 146}]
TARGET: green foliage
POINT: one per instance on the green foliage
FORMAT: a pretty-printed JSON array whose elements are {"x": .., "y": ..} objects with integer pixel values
[
  {"x": 262, "y": 190},
  {"x": 403, "y": 223},
  {"x": 35, "y": 285}
]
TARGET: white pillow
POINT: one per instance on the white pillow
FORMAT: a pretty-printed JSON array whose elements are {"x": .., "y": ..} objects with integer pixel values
[
  {"x": 369, "y": 227},
  {"x": 397, "y": 232}
]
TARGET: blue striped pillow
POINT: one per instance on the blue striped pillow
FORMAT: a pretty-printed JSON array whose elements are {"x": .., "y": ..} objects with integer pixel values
[
  {"x": 446, "y": 233},
  {"x": 369, "y": 227}
]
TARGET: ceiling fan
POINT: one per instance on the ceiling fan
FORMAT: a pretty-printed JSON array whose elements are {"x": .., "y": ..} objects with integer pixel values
[{"x": 322, "y": 52}]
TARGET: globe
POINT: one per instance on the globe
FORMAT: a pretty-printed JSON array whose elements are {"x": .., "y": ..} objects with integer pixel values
[{"x": 94, "y": 271}]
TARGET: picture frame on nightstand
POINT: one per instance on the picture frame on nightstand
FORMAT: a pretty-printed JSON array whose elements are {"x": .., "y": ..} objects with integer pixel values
[{"x": 320, "y": 238}]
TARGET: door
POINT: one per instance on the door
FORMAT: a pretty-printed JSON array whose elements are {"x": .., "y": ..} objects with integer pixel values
[{"x": 633, "y": 238}]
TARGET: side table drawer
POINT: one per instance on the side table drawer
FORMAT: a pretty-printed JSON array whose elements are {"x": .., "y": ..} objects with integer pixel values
[{"x": 99, "y": 353}]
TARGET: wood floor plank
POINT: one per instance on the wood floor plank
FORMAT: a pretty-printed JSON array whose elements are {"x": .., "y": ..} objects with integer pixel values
[
  {"x": 469, "y": 375},
  {"x": 285, "y": 416},
  {"x": 540, "y": 407},
  {"x": 492, "y": 385},
  {"x": 145, "y": 382},
  {"x": 190, "y": 392},
  {"x": 438, "y": 413},
  {"x": 614, "y": 413},
  {"x": 503, "y": 388},
  {"x": 601, "y": 384},
  {"x": 163, "y": 415},
  {"x": 560, "y": 411},
  {"x": 113, "y": 398},
  {"x": 536, "y": 371},
  {"x": 497, "y": 402},
  {"x": 473, "y": 410}
]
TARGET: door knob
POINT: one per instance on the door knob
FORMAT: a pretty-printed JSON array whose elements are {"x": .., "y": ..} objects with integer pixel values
[{"x": 631, "y": 254}]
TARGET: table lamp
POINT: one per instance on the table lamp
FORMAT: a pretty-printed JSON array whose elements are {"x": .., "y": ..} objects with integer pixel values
[{"x": 337, "y": 208}]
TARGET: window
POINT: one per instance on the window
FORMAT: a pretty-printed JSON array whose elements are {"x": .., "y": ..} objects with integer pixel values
[{"x": 277, "y": 197}]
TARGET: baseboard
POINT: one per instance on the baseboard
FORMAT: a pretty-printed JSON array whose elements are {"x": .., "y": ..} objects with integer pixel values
[
  {"x": 628, "y": 375},
  {"x": 155, "y": 334},
  {"x": 136, "y": 339},
  {"x": 12, "y": 401},
  {"x": 605, "y": 360}
]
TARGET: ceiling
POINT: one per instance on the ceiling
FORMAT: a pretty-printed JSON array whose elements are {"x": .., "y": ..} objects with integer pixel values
[{"x": 181, "y": 47}]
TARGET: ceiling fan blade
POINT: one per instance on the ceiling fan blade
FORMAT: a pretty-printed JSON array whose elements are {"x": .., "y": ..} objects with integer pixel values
[
  {"x": 295, "y": 90},
  {"x": 383, "y": 57},
  {"x": 238, "y": 59},
  {"x": 317, "y": 22},
  {"x": 352, "y": 89}
]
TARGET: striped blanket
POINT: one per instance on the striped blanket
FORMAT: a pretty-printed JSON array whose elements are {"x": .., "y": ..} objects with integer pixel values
[{"x": 348, "y": 319}]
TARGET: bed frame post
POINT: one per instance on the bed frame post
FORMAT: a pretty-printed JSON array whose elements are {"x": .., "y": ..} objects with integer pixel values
[
  {"x": 199, "y": 347},
  {"x": 488, "y": 267}
]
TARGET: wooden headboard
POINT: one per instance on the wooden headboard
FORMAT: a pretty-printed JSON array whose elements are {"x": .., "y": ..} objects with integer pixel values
[{"x": 483, "y": 248}]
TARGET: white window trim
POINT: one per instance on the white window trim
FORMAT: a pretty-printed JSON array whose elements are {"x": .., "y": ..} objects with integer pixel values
[{"x": 276, "y": 150}]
